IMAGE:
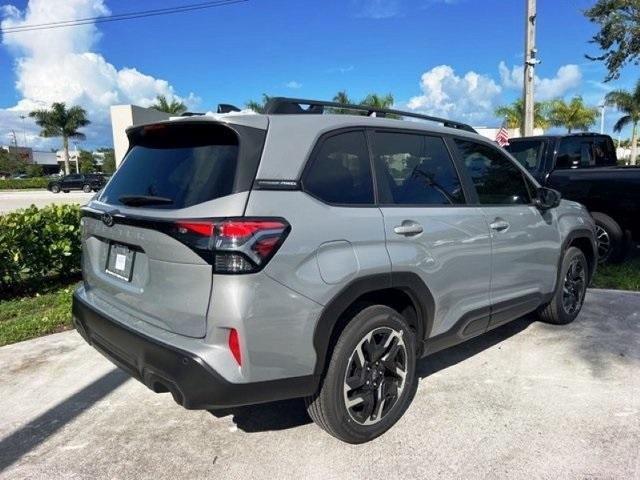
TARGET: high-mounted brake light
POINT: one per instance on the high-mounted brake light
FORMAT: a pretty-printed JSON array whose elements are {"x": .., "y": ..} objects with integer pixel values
[{"x": 242, "y": 245}]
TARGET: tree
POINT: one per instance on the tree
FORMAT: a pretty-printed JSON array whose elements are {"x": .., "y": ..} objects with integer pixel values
[
  {"x": 109, "y": 163},
  {"x": 619, "y": 35},
  {"x": 173, "y": 107},
  {"x": 87, "y": 162},
  {"x": 378, "y": 101},
  {"x": 60, "y": 121},
  {"x": 258, "y": 107},
  {"x": 628, "y": 102},
  {"x": 574, "y": 115},
  {"x": 513, "y": 115}
]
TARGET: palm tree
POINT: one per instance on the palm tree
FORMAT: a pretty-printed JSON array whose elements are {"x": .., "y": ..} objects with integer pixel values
[
  {"x": 378, "y": 101},
  {"x": 514, "y": 115},
  {"x": 628, "y": 102},
  {"x": 173, "y": 107},
  {"x": 574, "y": 115},
  {"x": 342, "y": 98},
  {"x": 258, "y": 107},
  {"x": 61, "y": 122}
]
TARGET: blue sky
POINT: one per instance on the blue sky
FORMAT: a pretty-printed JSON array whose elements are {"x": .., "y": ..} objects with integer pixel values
[{"x": 458, "y": 58}]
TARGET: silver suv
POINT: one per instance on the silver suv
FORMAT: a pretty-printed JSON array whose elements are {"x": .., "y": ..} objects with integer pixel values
[{"x": 241, "y": 258}]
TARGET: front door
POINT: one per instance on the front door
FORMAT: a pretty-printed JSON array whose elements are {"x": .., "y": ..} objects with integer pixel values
[
  {"x": 525, "y": 242},
  {"x": 431, "y": 231}
]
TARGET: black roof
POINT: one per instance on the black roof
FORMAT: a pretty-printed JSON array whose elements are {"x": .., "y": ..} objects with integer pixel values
[{"x": 565, "y": 135}]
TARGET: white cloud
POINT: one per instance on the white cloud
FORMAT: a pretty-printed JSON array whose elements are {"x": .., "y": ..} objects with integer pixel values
[
  {"x": 58, "y": 65},
  {"x": 376, "y": 9},
  {"x": 567, "y": 78},
  {"x": 471, "y": 98},
  {"x": 293, "y": 84}
]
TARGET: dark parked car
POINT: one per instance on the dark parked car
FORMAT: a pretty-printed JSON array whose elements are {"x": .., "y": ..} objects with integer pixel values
[
  {"x": 583, "y": 167},
  {"x": 86, "y": 183}
]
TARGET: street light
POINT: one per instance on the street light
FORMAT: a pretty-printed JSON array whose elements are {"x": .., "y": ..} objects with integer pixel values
[{"x": 602, "y": 108}]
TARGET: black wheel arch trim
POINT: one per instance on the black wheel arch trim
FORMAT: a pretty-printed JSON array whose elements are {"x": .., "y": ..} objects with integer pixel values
[
  {"x": 573, "y": 235},
  {"x": 407, "y": 282}
]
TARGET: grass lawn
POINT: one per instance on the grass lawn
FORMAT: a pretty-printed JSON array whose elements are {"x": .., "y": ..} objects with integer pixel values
[
  {"x": 35, "y": 315},
  {"x": 625, "y": 276}
]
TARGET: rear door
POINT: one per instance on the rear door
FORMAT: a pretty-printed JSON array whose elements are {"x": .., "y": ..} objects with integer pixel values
[
  {"x": 525, "y": 242},
  {"x": 431, "y": 230},
  {"x": 142, "y": 251}
]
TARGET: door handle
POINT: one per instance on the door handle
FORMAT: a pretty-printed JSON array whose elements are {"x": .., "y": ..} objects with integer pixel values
[
  {"x": 499, "y": 225},
  {"x": 408, "y": 228}
]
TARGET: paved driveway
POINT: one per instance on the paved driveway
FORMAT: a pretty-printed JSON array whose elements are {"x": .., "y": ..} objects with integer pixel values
[
  {"x": 528, "y": 400},
  {"x": 13, "y": 200}
]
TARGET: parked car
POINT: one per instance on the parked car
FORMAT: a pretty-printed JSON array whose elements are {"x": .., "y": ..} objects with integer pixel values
[
  {"x": 241, "y": 259},
  {"x": 87, "y": 183},
  {"x": 583, "y": 167}
]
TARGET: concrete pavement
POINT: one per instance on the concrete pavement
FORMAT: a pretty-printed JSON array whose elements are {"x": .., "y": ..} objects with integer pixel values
[
  {"x": 528, "y": 400},
  {"x": 16, "y": 199}
]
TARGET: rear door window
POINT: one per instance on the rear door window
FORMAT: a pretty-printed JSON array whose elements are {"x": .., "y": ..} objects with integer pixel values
[
  {"x": 414, "y": 169},
  {"x": 340, "y": 170},
  {"x": 177, "y": 166}
]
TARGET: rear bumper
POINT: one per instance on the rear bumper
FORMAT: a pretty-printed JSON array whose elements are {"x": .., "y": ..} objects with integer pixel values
[{"x": 164, "y": 368}]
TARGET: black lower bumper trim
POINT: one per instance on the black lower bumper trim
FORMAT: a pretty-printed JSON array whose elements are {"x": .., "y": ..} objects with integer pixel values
[{"x": 162, "y": 368}]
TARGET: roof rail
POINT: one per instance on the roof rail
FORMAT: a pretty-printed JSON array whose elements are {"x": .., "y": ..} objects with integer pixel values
[{"x": 284, "y": 105}]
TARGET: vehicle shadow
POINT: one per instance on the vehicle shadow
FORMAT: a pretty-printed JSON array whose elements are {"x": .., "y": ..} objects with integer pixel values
[
  {"x": 292, "y": 413},
  {"x": 37, "y": 431}
]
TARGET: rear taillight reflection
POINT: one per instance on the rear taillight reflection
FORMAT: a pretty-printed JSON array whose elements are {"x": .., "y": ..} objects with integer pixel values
[{"x": 234, "y": 245}]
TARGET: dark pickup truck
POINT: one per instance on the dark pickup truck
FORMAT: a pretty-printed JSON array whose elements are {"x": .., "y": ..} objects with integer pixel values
[
  {"x": 86, "y": 183},
  {"x": 583, "y": 167}
]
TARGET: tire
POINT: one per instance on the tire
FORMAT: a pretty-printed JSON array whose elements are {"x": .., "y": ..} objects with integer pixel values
[
  {"x": 369, "y": 418},
  {"x": 568, "y": 298},
  {"x": 86, "y": 188},
  {"x": 55, "y": 189},
  {"x": 612, "y": 242}
]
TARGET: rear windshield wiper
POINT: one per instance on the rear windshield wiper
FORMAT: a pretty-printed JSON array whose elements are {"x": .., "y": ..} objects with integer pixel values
[{"x": 140, "y": 200}]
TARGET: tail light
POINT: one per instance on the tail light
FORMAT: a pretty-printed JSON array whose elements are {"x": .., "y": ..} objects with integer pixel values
[
  {"x": 234, "y": 345},
  {"x": 240, "y": 245}
]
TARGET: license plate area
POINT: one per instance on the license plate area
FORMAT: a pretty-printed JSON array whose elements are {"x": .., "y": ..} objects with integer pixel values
[{"x": 120, "y": 261}]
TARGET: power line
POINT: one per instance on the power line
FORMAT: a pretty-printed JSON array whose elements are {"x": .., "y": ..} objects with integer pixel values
[{"x": 119, "y": 17}]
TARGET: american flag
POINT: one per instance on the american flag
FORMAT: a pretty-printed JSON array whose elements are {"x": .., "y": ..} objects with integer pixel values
[{"x": 502, "y": 137}]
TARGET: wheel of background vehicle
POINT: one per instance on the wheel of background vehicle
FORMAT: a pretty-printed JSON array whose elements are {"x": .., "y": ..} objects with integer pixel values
[
  {"x": 55, "y": 189},
  {"x": 612, "y": 242},
  {"x": 570, "y": 291},
  {"x": 86, "y": 188},
  {"x": 65, "y": 191},
  {"x": 371, "y": 377}
]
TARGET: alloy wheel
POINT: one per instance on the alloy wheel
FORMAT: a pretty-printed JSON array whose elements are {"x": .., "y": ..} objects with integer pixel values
[
  {"x": 375, "y": 376},
  {"x": 574, "y": 287},
  {"x": 604, "y": 243}
]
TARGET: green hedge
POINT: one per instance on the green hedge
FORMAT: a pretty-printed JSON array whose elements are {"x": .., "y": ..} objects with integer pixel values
[
  {"x": 20, "y": 184},
  {"x": 37, "y": 244}
]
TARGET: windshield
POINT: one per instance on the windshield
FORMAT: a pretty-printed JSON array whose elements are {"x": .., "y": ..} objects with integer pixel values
[
  {"x": 174, "y": 167},
  {"x": 527, "y": 152}
]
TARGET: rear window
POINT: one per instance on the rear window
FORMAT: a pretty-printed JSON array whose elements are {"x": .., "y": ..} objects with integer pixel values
[
  {"x": 177, "y": 166},
  {"x": 527, "y": 152}
]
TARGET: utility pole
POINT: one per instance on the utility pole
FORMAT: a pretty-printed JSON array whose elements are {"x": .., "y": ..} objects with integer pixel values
[
  {"x": 530, "y": 61},
  {"x": 602, "y": 108}
]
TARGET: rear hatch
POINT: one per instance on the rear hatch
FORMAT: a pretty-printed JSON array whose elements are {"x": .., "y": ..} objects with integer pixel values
[{"x": 142, "y": 252}]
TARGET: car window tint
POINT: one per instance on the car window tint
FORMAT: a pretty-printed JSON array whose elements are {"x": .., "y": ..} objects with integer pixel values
[
  {"x": 497, "y": 179},
  {"x": 340, "y": 171},
  {"x": 527, "y": 152},
  {"x": 415, "y": 169},
  {"x": 603, "y": 152}
]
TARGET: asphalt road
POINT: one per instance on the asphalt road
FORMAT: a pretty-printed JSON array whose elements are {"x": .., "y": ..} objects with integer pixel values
[
  {"x": 14, "y": 200},
  {"x": 528, "y": 400}
]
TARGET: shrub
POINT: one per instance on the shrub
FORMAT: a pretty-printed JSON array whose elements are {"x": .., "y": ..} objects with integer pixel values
[
  {"x": 39, "y": 244},
  {"x": 18, "y": 184}
]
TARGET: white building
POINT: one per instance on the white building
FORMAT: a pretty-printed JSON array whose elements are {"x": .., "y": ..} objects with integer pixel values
[{"x": 491, "y": 133}]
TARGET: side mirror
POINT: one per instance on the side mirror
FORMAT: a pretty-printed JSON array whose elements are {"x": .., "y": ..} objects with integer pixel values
[{"x": 547, "y": 198}]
